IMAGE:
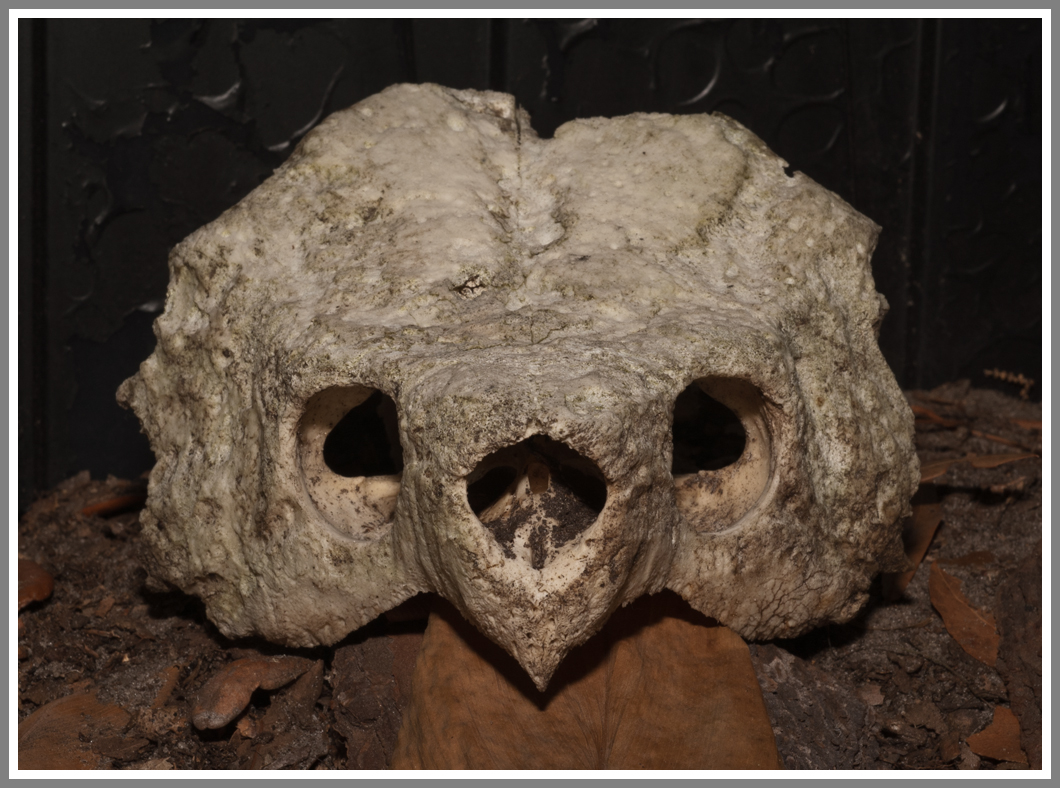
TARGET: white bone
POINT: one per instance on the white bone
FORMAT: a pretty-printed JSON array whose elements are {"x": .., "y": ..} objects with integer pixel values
[{"x": 499, "y": 287}]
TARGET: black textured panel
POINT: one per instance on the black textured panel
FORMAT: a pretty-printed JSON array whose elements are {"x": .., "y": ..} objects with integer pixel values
[
  {"x": 981, "y": 300},
  {"x": 146, "y": 129},
  {"x": 155, "y": 128}
]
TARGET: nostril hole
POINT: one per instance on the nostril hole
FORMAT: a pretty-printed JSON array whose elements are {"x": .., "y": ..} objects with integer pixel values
[
  {"x": 590, "y": 491},
  {"x": 536, "y": 496},
  {"x": 707, "y": 435},
  {"x": 489, "y": 488},
  {"x": 365, "y": 441}
]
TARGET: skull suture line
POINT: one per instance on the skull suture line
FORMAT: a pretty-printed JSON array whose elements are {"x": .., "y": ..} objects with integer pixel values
[{"x": 517, "y": 319}]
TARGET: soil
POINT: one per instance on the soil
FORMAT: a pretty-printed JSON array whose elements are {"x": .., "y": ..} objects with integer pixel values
[{"x": 111, "y": 673}]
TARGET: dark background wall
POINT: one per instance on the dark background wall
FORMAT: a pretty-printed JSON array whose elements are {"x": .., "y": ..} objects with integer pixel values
[{"x": 135, "y": 132}]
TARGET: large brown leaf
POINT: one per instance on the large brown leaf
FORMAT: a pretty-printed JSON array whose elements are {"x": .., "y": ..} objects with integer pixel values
[
  {"x": 1000, "y": 739},
  {"x": 973, "y": 629},
  {"x": 61, "y": 734},
  {"x": 658, "y": 688}
]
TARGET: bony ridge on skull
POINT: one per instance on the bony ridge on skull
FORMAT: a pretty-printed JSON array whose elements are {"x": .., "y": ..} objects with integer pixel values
[{"x": 541, "y": 378}]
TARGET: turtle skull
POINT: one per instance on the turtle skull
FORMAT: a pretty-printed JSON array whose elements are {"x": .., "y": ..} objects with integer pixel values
[{"x": 435, "y": 353}]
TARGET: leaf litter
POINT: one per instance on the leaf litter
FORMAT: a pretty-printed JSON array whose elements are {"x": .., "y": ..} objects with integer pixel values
[
  {"x": 122, "y": 663},
  {"x": 973, "y": 629}
]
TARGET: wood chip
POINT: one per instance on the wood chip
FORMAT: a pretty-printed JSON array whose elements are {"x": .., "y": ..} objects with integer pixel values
[
  {"x": 870, "y": 694},
  {"x": 104, "y": 607},
  {"x": 973, "y": 629},
  {"x": 969, "y": 760},
  {"x": 169, "y": 678},
  {"x": 1000, "y": 740},
  {"x": 247, "y": 728},
  {"x": 950, "y": 746},
  {"x": 154, "y": 763},
  {"x": 925, "y": 714},
  {"x": 224, "y": 696},
  {"x": 34, "y": 584}
]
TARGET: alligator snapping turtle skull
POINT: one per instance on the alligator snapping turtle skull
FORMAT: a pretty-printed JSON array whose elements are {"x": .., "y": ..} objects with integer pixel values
[{"x": 434, "y": 352}]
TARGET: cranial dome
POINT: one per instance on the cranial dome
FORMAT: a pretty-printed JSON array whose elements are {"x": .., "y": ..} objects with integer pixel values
[{"x": 541, "y": 378}]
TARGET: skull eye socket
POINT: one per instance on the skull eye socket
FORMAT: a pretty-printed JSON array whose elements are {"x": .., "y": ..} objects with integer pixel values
[
  {"x": 351, "y": 462},
  {"x": 365, "y": 441},
  {"x": 722, "y": 452},
  {"x": 707, "y": 435}
]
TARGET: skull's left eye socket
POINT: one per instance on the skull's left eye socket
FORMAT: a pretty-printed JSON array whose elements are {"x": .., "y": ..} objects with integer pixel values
[
  {"x": 365, "y": 441},
  {"x": 351, "y": 462}
]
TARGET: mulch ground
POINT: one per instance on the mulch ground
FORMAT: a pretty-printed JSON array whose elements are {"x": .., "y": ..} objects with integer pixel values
[{"x": 943, "y": 673}]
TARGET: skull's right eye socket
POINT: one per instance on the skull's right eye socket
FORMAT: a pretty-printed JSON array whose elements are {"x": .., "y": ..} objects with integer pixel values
[
  {"x": 707, "y": 435},
  {"x": 350, "y": 453},
  {"x": 722, "y": 452}
]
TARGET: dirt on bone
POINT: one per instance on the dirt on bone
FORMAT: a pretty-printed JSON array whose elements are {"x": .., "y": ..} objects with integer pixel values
[
  {"x": 554, "y": 503},
  {"x": 560, "y": 515}
]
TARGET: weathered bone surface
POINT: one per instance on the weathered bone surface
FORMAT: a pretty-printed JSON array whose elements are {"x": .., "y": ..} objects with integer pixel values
[{"x": 533, "y": 311}]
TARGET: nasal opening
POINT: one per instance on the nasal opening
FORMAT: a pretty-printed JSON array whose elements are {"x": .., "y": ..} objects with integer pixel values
[{"x": 536, "y": 496}]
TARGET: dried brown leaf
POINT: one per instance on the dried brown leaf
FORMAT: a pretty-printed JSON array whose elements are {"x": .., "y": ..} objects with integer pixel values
[
  {"x": 34, "y": 584},
  {"x": 870, "y": 694},
  {"x": 1017, "y": 485},
  {"x": 916, "y": 538},
  {"x": 998, "y": 439},
  {"x": 976, "y": 558},
  {"x": 658, "y": 688},
  {"x": 59, "y": 734},
  {"x": 116, "y": 505},
  {"x": 929, "y": 415},
  {"x": 1018, "y": 607},
  {"x": 974, "y": 630},
  {"x": 227, "y": 693},
  {"x": 1000, "y": 739},
  {"x": 994, "y": 460},
  {"x": 933, "y": 470}
]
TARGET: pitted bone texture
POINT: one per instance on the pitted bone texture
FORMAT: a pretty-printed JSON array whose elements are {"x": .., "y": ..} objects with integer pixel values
[{"x": 426, "y": 244}]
